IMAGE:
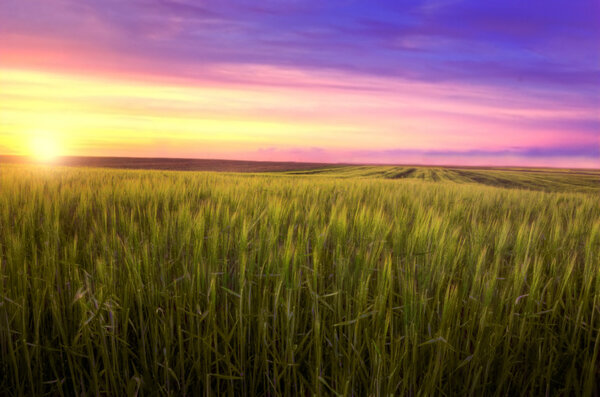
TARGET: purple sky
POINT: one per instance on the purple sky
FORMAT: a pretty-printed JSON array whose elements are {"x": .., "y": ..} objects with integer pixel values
[{"x": 489, "y": 58}]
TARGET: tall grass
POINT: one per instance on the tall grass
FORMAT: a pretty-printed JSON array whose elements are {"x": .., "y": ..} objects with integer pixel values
[{"x": 125, "y": 282}]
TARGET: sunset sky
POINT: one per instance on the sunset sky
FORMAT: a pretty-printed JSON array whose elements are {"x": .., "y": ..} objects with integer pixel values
[{"x": 503, "y": 82}]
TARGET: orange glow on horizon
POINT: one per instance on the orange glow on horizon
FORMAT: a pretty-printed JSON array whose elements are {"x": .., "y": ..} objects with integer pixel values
[{"x": 276, "y": 114}]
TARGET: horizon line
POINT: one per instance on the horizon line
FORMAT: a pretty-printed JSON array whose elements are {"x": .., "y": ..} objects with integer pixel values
[{"x": 31, "y": 160}]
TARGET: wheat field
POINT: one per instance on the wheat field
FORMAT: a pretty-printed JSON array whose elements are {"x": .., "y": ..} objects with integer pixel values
[{"x": 343, "y": 281}]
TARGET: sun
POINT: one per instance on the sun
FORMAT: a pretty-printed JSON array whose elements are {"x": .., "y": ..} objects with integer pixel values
[{"x": 45, "y": 148}]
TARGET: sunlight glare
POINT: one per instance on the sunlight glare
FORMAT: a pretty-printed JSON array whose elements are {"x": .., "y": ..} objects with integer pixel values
[{"x": 45, "y": 148}]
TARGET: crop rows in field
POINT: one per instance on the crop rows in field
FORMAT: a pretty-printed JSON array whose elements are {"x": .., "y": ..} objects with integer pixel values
[{"x": 522, "y": 178}]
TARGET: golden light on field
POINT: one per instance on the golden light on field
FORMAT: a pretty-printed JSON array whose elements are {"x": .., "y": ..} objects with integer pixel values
[{"x": 45, "y": 147}]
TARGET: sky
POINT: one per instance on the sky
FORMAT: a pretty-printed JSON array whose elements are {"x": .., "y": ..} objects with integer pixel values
[{"x": 471, "y": 82}]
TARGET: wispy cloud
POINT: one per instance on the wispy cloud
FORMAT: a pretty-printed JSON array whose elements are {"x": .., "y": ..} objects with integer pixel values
[
  {"x": 569, "y": 156},
  {"x": 581, "y": 151},
  {"x": 438, "y": 78}
]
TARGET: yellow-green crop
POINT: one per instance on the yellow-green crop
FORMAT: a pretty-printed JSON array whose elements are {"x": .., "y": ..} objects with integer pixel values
[{"x": 123, "y": 282}]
